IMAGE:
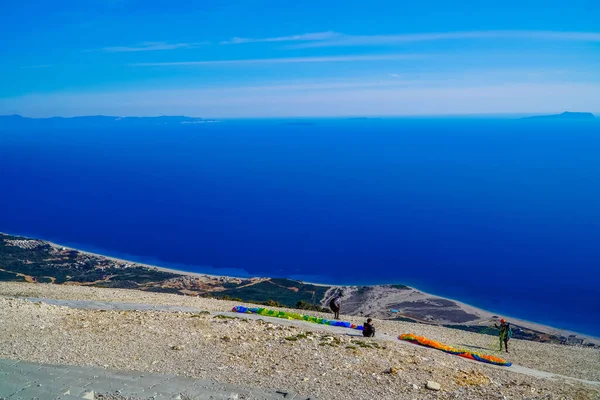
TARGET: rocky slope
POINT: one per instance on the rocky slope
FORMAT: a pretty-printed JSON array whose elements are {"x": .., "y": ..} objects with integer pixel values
[
  {"x": 312, "y": 362},
  {"x": 31, "y": 260}
]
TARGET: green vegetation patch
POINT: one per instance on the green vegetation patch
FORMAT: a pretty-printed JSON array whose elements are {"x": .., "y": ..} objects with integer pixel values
[
  {"x": 305, "y": 305},
  {"x": 227, "y": 297},
  {"x": 367, "y": 345},
  {"x": 331, "y": 341},
  {"x": 44, "y": 261},
  {"x": 221, "y": 316},
  {"x": 10, "y": 277},
  {"x": 273, "y": 303},
  {"x": 299, "y": 336},
  {"x": 200, "y": 314},
  {"x": 129, "y": 284},
  {"x": 285, "y": 292}
]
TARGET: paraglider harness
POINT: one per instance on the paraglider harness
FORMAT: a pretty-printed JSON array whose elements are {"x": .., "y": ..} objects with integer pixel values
[
  {"x": 505, "y": 331},
  {"x": 368, "y": 329},
  {"x": 335, "y": 303}
]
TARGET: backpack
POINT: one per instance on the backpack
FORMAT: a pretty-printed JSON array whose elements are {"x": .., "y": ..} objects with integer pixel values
[{"x": 335, "y": 302}]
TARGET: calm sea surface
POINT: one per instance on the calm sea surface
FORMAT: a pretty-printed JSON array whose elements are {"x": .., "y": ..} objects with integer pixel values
[{"x": 502, "y": 214}]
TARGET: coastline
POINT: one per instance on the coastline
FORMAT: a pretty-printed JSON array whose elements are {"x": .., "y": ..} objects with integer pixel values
[
  {"x": 156, "y": 267},
  {"x": 168, "y": 269},
  {"x": 484, "y": 315},
  {"x": 133, "y": 262}
]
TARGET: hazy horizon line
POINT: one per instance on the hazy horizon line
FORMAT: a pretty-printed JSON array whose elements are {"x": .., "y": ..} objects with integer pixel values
[{"x": 349, "y": 116}]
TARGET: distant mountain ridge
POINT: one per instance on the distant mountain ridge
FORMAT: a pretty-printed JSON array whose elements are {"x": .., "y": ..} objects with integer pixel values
[
  {"x": 18, "y": 121},
  {"x": 566, "y": 116}
]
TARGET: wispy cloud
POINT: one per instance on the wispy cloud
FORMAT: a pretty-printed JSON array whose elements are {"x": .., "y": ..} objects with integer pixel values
[
  {"x": 372, "y": 40},
  {"x": 294, "y": 38},
  {"x": 335, "y": 39},
  {"x": 151, "y": 46},
  {"x": 290, "y": 60}
]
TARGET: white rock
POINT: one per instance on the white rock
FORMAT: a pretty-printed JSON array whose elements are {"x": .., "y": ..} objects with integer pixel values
[{"x": 431, "y": 385}]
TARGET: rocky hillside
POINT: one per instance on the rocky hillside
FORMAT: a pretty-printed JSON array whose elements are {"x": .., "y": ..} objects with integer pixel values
[
  {"x": 310, "y": 360},
  {"x": 36, "y": 261}
]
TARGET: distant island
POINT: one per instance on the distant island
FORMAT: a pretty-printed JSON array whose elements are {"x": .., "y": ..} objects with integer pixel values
[
  {"x": 18, "y": 121},
  {"x": 566, "y": 116}
]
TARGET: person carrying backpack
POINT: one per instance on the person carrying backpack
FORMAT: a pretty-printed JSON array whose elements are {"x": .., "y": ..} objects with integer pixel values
[
  {"x": 368, "y": 328},
  {"x": 505, "y": 333},
  {"x": 335, "y": 304}
]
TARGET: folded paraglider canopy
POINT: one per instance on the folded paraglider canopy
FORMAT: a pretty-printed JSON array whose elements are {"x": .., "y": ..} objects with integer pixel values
[
  {"x": 290, "y": 315},
  {"x": 423, "y": 341}
]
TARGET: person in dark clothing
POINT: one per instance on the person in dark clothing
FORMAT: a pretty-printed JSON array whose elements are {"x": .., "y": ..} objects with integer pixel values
[
  {"x": 368, "y": 328},
  {"x": 505, "y": 333},
  {"x": 335, "y": 304}
]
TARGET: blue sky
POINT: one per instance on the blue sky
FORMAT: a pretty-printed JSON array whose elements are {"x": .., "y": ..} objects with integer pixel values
[{"x": 268, "y": 58}]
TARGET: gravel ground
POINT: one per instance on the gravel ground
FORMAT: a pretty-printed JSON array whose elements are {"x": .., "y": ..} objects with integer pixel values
[
  {"x": 261, "y": 354},
  {"x": 577, "y": 362}
]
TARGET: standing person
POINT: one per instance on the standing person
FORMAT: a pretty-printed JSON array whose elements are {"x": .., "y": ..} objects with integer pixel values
[
  {"x": 505, "y": 333},
  {"x": 335, "y": 304},
  {"x": 368, "y": 328}
]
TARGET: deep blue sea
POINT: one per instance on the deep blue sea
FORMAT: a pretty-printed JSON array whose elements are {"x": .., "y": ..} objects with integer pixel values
[{"x": 502, "y": 214}]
